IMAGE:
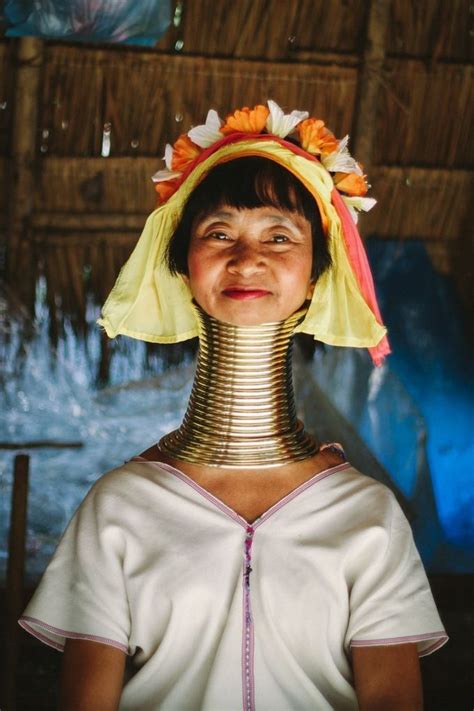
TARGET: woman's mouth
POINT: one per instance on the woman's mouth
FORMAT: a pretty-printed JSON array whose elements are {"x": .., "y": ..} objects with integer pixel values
[{"x": 245, "y": 294}]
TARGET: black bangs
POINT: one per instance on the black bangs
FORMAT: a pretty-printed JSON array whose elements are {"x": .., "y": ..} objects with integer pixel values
[{"x": 247, "y": 183}]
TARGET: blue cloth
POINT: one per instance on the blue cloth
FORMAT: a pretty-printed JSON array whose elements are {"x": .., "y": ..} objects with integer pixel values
[{"x": 124, "y": 21}]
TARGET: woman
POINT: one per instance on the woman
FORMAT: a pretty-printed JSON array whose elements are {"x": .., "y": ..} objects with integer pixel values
[{"x": 239, "y": 563}]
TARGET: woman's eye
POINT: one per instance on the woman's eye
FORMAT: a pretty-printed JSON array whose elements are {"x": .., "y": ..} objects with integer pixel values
[
  {"x": 219, "y": 236},
  {"x": 279, "y": 239}
]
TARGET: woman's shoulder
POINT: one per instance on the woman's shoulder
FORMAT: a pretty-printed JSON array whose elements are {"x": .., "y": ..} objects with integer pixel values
[
  {"x": 123, "y": 480},
  {"x": 363, "y": 493}
]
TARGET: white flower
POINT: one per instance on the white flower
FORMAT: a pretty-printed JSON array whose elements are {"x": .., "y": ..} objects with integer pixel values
[
  {"x": 208, "y": 133},
  {"x": 167, "y": 173},
  {"x": 358, "y": 203},
  {"x": 281, "y": 124},
  {"x": 340, "y": 160},
  {"x": 162, "y": 175},
  {"x": 168, "y": 157}
]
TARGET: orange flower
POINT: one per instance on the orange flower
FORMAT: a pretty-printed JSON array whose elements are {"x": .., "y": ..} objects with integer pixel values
[
  {"x": 184, "y": 151},
  {"x": 165, "y": 190},
  {"x": 316, "y": 138},
  {"x": 246, "y": 120},
  {"x": 351, "y": 184}
]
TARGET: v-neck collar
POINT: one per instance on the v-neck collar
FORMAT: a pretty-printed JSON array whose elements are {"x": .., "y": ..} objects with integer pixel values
[{"x": 227, "y": 510}]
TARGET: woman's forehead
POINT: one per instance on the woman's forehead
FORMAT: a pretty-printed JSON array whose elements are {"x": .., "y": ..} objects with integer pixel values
[{"x": 267, "y": 214}]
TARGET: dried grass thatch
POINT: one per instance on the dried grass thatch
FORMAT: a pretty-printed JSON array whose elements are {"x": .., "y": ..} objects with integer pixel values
[
  {"x": 431, "y": 29},
  {"x": 268, "y": 29},
  {"x": 416, "y": 203},
  {"x": 276, "y": 30},
  {"x": 426, "y": 115},
  {"x": 149, "y": 99}
]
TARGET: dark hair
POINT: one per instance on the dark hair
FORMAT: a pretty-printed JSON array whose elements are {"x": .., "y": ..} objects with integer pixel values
[{"x": 247, "y": 183}]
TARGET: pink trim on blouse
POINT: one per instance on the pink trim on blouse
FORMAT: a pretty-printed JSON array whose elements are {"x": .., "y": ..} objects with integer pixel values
[
  {"x": 315, "y": 479},
  {"x": 299, "y": 490},
  {"x": 439, "y": 637},
  {"x": 25, "y": 623}
]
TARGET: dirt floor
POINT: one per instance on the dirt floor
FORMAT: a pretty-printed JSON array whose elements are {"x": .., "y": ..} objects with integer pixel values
[{"x": 447, "y": 674}]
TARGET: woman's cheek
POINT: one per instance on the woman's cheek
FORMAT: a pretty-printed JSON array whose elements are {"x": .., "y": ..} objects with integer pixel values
[{"x": 200, "y": 279}]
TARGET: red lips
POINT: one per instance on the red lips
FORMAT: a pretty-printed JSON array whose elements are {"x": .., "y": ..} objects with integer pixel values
[{"x": 244, "y": 294}]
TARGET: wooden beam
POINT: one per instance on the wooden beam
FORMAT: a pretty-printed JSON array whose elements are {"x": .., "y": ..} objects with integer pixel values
[
  {"x": 29, "y": 58},
  {"x": 369, "y": 81},
  {"x": 81, "y": 239},
  {"x": 326, "y": 58},
  {"x": 87, "y": 221}
]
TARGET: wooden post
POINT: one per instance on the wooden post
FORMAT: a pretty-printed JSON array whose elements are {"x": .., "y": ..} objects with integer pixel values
[
  {"x": 104, "y": 363},
  {"x": 15, "y": 576},
  {"x": 370, "y": 81},
  {"x": 29, "y": 58}
]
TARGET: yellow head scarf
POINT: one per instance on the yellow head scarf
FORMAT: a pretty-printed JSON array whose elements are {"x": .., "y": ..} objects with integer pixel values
[{"x": 150, "y": 304}]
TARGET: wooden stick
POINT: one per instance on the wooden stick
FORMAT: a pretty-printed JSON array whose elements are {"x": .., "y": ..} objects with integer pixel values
[
  {"x": 40, "y": 443},
  {"x": 104, "y": 364},
  {"x": 15, "y": 574},
  {"x": 370, "y": 80}
]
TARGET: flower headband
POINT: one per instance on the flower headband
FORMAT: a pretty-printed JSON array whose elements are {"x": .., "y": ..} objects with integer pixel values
[
  {"x": 314, "y": 138},
  {"x": 151, "y": 304}
]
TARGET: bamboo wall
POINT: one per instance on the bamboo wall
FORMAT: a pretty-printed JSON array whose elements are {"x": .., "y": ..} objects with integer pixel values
[{"x": 86, "y": 210}]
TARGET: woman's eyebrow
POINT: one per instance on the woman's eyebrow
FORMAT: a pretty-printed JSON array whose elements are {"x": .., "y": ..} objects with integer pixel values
[
  {"x": 227, "y": 215},
  {"x": 280, "y": 219},
  {"x": 220, "y": 215},
  {"x": 283, "y": 221}
]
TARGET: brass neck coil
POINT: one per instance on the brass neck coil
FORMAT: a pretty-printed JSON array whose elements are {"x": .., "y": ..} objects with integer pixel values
[{"x": 241, "y": 411}]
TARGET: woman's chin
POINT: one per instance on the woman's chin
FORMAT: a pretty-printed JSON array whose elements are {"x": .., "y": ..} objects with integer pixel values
[{"x": 248, "y": 315}]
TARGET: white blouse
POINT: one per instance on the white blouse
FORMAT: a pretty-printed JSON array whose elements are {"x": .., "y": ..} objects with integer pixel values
[{"x": 219, "y": 614}]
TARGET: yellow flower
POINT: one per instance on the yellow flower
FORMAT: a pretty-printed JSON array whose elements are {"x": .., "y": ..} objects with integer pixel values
[
  {"x": 316, "y": 138},
  {"x": 184, "y": 152},
  {"x": 246, "y": 120},
  {"x": 165, "y": 190},
  {"x": 351, "y": 184}
]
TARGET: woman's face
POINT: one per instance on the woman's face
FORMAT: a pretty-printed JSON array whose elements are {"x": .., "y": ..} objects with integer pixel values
[{"x": 250, "y": 266}]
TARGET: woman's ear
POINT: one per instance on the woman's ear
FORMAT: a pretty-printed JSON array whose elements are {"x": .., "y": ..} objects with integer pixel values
[{"x": 309, "y": 293}]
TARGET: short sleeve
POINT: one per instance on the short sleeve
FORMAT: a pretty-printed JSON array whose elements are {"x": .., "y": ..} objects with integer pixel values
[
  {"x": 82, "y": 594},
  {"x": 390, "y": 597}
]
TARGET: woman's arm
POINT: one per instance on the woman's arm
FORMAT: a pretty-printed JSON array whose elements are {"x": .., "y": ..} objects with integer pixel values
[
  {"x": 92, "y": 676},
  {"x": 387, "y": 678}
]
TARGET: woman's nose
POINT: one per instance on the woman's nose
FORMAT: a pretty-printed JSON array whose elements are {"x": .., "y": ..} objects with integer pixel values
[{"x": 246, "y": 260}]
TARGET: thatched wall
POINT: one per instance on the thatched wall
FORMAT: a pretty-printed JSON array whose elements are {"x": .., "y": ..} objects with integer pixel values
[
  {"x": 81, "y": 208},
  {"x": 279, "y": 30},
  {"x": 425, "y": 115},
  {"x": 148, "y": 98}
]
